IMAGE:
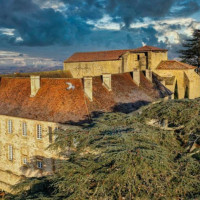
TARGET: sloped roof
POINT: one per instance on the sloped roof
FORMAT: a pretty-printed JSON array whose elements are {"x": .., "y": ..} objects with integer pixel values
[
  {"x": 148, "y": 48},
  {"x": 96, "y": 56},
  {"x": 55, "y": 103},
  {"x": 174, "y": 65},
  {"x": 107, "y": 55}
]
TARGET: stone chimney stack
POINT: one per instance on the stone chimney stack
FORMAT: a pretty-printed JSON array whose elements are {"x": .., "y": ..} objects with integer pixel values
[
  {"x": 136, "y": 76},
  {"x": 107, "y": 81},
  {"x": 35, "y": 85},
  {"x": 149, "y": 74},
  {"x": 88, "y": 87}
]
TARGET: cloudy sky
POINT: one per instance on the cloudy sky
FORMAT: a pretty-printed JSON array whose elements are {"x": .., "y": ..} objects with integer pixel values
[{"x": 45, "y": 32}]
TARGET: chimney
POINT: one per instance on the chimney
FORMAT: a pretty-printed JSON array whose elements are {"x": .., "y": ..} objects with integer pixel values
[
  {"x": 149, "y": 74},
  {"x": 35, "y": 85},
  {"x": 88, "y": 87},
  {"x": 136, "y": 76},
  {"x": 107, "y": 81}
]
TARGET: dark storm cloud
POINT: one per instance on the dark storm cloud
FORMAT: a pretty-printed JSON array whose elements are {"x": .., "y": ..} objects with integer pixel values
[
  {"x": 39, "y": 26},
  {"x": 128, "y": 11},
  {"x": 187, "y": 8}
]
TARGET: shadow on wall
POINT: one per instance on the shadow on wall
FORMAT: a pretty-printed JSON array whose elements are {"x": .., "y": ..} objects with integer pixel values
[
  {"x": 160, "y": 87},
  {"x": 37, "y": 168}
]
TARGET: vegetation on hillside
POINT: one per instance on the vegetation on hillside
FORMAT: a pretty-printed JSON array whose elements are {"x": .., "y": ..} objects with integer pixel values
[
  {"x": 43, "y": 74},
  {"x": 120, "y": 156}
]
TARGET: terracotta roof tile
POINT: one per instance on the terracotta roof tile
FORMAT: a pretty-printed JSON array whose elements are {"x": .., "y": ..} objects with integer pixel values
[
  {"x": 107, "y": 55},
  {"x": 148, "y": 48},
  {"x": 173, "y": 64},
  {"x": 55, "y": 103},
  {"x": 96, "y": 56}
]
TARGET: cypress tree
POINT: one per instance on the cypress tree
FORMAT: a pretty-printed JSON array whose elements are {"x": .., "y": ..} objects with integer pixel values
[
  {"x": 186, "y": 93},
  {"x": 176, "y": 91},
  {"x": 191, "y": 50}
]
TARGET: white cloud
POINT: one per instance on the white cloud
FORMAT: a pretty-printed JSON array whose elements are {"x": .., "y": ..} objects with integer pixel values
[
  {"x": 8, "y": 58},
  {"x": 54, "y": 4},
  {"x": 7, "y": 31},
  {"x": 168, "y": 30},
  {"x": 105, "y": 23}
]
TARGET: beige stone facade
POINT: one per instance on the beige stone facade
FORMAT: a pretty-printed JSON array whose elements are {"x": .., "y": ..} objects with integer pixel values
[
  {"x": 23, "y": 149},
  {"x": 185, "y": 79}
]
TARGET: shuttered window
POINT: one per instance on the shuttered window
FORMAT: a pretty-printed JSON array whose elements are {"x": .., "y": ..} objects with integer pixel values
[
  {"x": 39, "y": 131},
  {"x": 24, "y": 129},
  {"x": 10, "y": 126},
  {"x": 10, "y": 152}
]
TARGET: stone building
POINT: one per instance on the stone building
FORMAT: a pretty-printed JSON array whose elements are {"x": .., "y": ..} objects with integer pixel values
[
  {"x": 32, "y": 108},
  {"x": 147, "y": 59}
]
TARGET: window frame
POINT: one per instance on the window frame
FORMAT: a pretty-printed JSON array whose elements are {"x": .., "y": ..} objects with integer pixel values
[
  {"x": 39, "y": 131},
  {"x": 10, "y": 152},
  {"x": 39, "y": 164},
  {"x": 24, "y": 129},
  {"x": 23, "y": 159},
  {"x": 10, "y": 126}
]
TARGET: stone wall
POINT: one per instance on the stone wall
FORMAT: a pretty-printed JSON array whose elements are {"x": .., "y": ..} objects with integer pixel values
[
  {"x": 185, "y": 78},
  {"x": 24, "y": 147},
  {"x": 81, "y": 69},
  {"x": 154, "y": 59},
  {"x": 126, "y": 63}
]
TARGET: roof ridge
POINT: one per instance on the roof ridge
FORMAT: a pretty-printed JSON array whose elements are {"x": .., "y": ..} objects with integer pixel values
[
  {"x": 103, "y": 51},
  {"x": 178, "y": 65}
]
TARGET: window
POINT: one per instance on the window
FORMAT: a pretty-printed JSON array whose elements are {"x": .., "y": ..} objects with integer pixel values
[
  {"x": 39, "y": 131},
  {"x": 24, "y": 129},
  {"x": 24, "y": 161},
  {"x": 10, "y": 128},
  {"x": 50, "y": 134},
  {"x": 39, "y": 164},
  {"x": 56, "y": 133},
  {"x": 138, "y": 57},
  {"x": 10, "y": 152}
]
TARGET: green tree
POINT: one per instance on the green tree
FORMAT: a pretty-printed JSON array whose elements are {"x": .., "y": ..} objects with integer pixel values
[
  {"x": 120, "y": 156},
  {"x": 186, "y": 93},
  {"x": 176, "y": 91},
  {"x": 191, "y": 50}
]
